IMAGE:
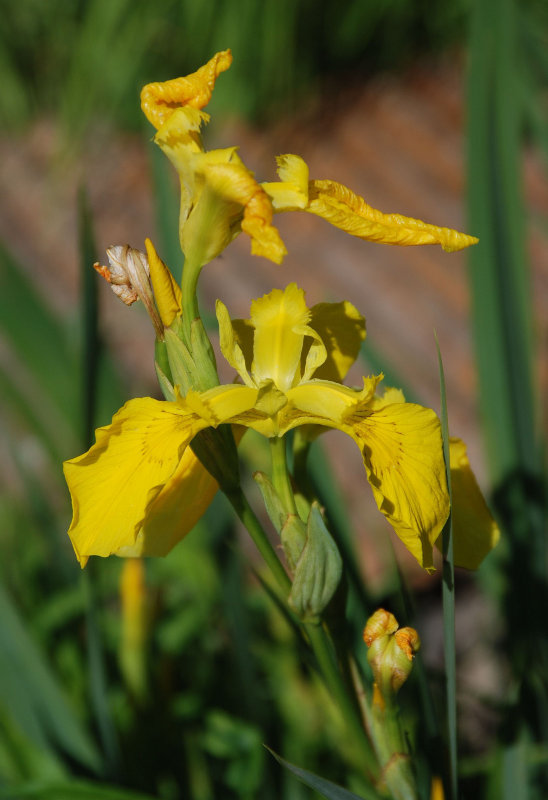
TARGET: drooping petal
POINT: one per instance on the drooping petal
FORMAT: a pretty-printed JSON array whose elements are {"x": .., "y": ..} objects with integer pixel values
[
  {"x": 402, "y": 452},
  {"x": 159, "y": 100},
  {"x": 475, "y": 532},
  {"x": 346, "y": 210},
  {"x": 341, "y": 207},
  {"x": 280, "y": 320},
  {"x": 236, "y": 184},
  {"x": 177, "y": 508},
  {"x": 342, "y": 330},
  {"x": 114, "y": 485}
]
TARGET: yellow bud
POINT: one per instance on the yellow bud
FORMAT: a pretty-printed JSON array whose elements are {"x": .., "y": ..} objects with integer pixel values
[
  {"x": 380, "y": 623},
  {"x": 391, "y": 652},
  {"x": 166, "y": 290}
]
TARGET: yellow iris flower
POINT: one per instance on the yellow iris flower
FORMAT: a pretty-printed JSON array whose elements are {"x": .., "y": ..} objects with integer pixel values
[
  {"x": 220, "y": 197},
  {"x": 140, "y": 489}
]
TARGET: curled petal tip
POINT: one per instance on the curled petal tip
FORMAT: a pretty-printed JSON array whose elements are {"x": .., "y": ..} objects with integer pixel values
[{"x": 159, "y": 100}]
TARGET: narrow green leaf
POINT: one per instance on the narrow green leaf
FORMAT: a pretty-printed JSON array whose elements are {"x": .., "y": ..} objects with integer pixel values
[
  {"x": 71, "y": 790},
  {"x": 40, "y": 365},
  {"x": 326, "y": 788},
  {"x": 503, "y": 320},
  {"x": 448, "y": 600},
  {"x": 29, "y": 692},
  {"x": 90, "y": 340}
]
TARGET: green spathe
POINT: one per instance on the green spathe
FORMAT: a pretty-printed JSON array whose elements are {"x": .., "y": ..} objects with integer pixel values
[{"x": 318, "y": 570}]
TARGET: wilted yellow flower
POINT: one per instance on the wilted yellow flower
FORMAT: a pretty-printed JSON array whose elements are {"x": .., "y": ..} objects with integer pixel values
[
  {"x": 341, "y": 207},
  {"x": 139, "y": 488},
  {"x": 220, "y": 196}
]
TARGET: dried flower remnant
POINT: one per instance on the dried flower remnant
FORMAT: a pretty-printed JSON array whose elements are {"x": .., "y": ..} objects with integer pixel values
[{"x": 128, "y": 274}]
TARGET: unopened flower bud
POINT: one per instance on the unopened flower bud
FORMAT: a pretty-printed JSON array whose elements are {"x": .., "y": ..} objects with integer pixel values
[
  {"x": 129, "y": 278},
  {"x": 391, "y": 652}
]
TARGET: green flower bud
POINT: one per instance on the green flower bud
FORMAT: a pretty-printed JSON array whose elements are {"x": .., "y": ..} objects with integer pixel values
[{"x": 318, "y": 570}]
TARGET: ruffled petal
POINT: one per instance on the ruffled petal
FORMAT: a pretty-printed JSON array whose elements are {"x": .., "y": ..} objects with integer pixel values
[
  {"x": 291, "y": 191},
  {"x": 159, "y": 100},
  {"x": 402, "y": 452},
  {"x": 346, "y": 210},
  {"x": 114, "y": 485},
  {"x": 475, "y": 532}
]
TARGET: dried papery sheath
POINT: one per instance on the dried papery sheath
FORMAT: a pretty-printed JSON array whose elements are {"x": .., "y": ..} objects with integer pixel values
[{"x": 129, "y": 278}]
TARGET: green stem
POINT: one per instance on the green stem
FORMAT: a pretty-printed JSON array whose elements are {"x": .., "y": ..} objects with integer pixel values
[
  {"x": 325, "y": 657},
  {"x": 316, "y": 634},
  {"x": 189, "y": 298},
  {"x": 280, "y": 473},
  {"x": 246, "y": 514}
]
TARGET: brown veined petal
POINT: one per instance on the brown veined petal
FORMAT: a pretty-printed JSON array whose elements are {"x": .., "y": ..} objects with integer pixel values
[
  {"x": 341, "y": 207},
  {"x": 402, "y": 452},
  {"x": 159, "y": 100}
]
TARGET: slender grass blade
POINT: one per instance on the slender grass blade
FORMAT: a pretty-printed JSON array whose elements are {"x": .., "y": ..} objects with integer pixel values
[{"x": 448, "y": 600}]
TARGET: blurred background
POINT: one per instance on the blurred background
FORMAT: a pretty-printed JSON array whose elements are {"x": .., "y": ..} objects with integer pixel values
[{"x": 436, "y": 110}]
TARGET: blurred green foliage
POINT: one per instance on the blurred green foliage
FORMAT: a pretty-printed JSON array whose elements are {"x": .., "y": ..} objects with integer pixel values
[{"x": 86, "y": 58}]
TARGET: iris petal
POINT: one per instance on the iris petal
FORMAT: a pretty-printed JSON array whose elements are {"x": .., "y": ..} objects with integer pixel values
[
  {"x": 402, "y": 452},
  {"x": 475, "y": 532},
  {"x": 114, "y": 485}
]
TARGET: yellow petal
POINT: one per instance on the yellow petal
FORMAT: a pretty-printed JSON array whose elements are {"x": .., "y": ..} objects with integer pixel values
[
  {"x": 402, "y": 451},
  {"x": 114, "y": 485},
  {"x": 222, "y": 403},
  {"x": 330, "y": 404},
  {"x": 230, "y": 343},
  {"x": 167, "y": 292},
  {"x": 291, "y": 191},
  {"x": 342, "y": 330},
  {"x": 280, "y": 320},
  {"x": 177, "y": 508},
  {"x": 389, "y": 396},
  {"x": 346, "y": 210},
  {"x": 475, "y": 532},
  {"x": 158, "y": 100},
  {"x": 236, "y": 184}
]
